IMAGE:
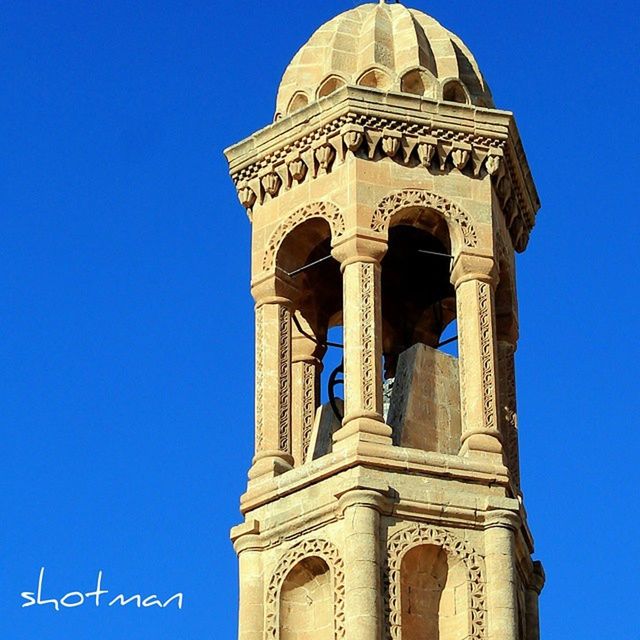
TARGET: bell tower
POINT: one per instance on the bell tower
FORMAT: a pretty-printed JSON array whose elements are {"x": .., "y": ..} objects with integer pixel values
[{"x": 388, "y": 198}]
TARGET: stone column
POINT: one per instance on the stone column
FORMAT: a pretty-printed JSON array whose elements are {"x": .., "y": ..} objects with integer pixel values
[
  {"x": 363, "y": 563},
  {"x": 273, "y": 298},
  {"x": 508, "y": 410},
  {"x": 500, "y": 563},
  {"x": 251, "y": 597},
  {"x": 475, "y": 279},
  {"x": 362, "y": 327},
  {"x": 306, "y": 370},
  {"x": 534, "y": 588}
]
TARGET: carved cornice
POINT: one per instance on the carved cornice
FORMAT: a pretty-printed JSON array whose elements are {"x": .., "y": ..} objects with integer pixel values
[{"x": 420, "y": 134}]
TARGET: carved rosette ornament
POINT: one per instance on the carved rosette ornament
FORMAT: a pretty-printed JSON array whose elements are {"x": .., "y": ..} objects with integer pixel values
[
  {"x": 420, "y": 534},
  {"x": 327, "y": 552}
]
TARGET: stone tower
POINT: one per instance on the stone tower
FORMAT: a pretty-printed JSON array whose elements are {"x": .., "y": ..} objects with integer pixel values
[{"x": 388, "y": 197}]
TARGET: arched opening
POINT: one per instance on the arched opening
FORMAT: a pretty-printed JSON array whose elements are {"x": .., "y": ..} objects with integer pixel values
[
  {"x": 304, "y": 257},
  {"x": 418, "y": 82},
  {"x": 330, "y": 85},
  {"x": 307, "y": 602},
  {"x": 421, "y": 386},
  {"x": 298, "y": 101},
  {"x": 453, "y": 91},
  {"x": 418, "y": 299},
  {"x": 433, "y": 595},
  {"x": 375, "y": 79}
]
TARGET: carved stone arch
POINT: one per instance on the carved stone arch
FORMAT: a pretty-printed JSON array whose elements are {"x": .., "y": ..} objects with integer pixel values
[
  {"x": 461, "y": 228},
  {"x": 418, "y": 81},
  {"x": 422, "y": 534},
  {"x": 298, "y": 101},
  {"x": 375, "y": 78},
  {"x": 324, "y": 210},
  {"x": 327, "y": 552},
  {"x": 455, "y": 90},
  {"x": 330, "y": 85}
]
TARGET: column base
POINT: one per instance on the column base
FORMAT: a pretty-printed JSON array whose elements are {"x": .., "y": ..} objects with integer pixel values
[
  {"x": 481, "y": 444},
  {"x": 361, "y": 430},
  {"x": 269, "y": 464}
]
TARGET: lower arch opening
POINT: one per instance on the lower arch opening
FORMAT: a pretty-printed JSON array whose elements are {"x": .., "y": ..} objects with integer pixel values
[
  {"x": 433, "y": 595},
  {"x": 307, "y": 602}
]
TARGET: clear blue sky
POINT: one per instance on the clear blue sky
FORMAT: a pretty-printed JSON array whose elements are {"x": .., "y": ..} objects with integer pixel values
[{"x": 126, "y": 321}]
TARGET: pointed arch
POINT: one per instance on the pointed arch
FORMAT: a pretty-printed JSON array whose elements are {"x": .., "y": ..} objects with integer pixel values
[
  {"x": 298, "y": 101},
  {"x": 375, "y": 78},
  {"x": 330, "y": 85}
]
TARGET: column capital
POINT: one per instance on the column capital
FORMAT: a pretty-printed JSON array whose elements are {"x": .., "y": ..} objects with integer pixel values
[
  {"x": 246, "y": 536},
  {"x": 469, "y": 266},
  {"x": 502, "y": 519},
  {"x": 305, "y": 347},
  {"x": 363, "y": 497},
  {"x": 537, "y": 577},
  {"x": 359, "y": 247},
  {"x": 274, "y": 288}
]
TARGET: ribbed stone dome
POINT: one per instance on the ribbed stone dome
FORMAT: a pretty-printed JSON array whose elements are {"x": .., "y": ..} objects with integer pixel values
[{"x": 387, "y": 47}]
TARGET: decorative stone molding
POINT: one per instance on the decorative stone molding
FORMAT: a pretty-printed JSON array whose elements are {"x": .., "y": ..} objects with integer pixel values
[
  {"x": 414, "y": 144},
  {"x": 508, "y": 410},
  {"x": 367, "y": 339},
  {"x": 284, "y": 378},
  {"x": 309, "y": 379},
  {"x": 419, "y": 534},
  {"x": 454, "y": 215},
  {"x": 325, "y": 210},
  {"x": 259, "y": 408},
  {"x": 487, "y": 357},
  {"x": 502, "y": 519},
  {"x": 307, "y": 549}
]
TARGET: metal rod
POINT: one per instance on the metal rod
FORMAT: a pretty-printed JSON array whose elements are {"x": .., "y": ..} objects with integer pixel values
[
  {"x": 308, "y": 266},
  {"x": 313, "y": 338},
  {"x": 436, "y": 253},
  {"x": 445, "y": 342}
]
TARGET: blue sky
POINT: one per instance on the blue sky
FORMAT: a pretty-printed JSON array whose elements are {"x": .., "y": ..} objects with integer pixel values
[{"x": 126, "y": 347}]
